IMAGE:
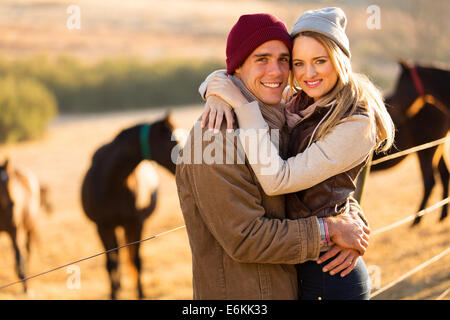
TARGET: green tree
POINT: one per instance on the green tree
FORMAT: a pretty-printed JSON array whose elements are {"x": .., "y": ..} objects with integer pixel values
[{"x": 26, "y": 108}]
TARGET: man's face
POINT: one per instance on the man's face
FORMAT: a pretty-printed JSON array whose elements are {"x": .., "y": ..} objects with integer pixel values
[{"x": 266, "y": 71}]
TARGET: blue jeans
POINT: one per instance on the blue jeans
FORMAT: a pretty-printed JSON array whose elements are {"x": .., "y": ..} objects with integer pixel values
[{"x": 314, "y": 284}]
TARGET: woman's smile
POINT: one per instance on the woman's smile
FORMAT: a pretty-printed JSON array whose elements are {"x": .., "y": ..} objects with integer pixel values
[{"x": 313, "y": 83}]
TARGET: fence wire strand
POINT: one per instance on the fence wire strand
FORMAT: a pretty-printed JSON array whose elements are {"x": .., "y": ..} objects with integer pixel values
[
  {"x": 411, "y": 150},
  {"x": 443, "y": 294},
  {"x": 90, "y": 257},
  {"x": 409, "y": 273},
  {"x": 412, "y": 217}
]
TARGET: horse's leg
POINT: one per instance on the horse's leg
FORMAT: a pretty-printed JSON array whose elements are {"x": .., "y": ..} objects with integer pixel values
[
  {"x": 426, "y": 167},
  {"x": 445, "y": 176},
  {"x": 133, "y": 231},
  {"x": 108, "y": 236},
  {"x": 19, "y": 258}
]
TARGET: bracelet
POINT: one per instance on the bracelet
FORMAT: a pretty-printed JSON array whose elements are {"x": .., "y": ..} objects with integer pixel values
[
  {"x": 327, "y": 235},
  {"x": 323, "y": 234}
]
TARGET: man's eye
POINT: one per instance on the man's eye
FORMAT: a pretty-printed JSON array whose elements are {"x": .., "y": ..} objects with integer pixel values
[{"x": 261, "y": 60}]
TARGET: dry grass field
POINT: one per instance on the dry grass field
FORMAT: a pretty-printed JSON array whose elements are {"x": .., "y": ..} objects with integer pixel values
[
  {"x": 62, "y": 156},
  {"x": 197, "y": 29}
]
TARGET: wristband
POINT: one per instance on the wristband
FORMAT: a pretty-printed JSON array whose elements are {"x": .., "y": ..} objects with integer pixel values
[
  {"x": 327, "y": 235},
  {"x": 323, "y": 234}
]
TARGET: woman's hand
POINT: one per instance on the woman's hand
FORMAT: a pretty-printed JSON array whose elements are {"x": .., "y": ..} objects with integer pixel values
[
  {"x": 227, "y": 90},
  {"x": 346, "y": 260},
  {"x": 291, "y": 118},
  {"x": 214, "y": 111}
]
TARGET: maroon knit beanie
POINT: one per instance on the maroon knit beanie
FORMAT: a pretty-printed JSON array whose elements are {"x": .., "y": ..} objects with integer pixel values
[{"x": 251, "y": 31}]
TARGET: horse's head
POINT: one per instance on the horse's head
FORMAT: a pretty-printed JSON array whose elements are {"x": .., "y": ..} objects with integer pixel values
[
  {"x": 405, "y": 91},
  {"x": 163, "y": 142},
  {"x": 396, "y": 112},
  {"x": 6, "y": 202}
]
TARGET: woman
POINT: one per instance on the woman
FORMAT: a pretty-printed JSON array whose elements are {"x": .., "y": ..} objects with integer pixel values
[{"x": 336, "y": 118}]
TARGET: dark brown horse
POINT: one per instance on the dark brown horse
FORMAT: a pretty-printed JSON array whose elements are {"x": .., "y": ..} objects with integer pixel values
[
  {"x": 120, "y": 188},
  {"x": 19, "y": 207},
  {"x": 420, "y": 109}
]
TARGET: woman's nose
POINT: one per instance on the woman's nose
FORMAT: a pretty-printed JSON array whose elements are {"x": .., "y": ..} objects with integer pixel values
[{"x": 310, "y": 71}]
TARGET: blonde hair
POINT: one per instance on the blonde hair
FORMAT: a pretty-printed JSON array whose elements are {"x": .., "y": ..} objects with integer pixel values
[{"x": 352, "y": 90}]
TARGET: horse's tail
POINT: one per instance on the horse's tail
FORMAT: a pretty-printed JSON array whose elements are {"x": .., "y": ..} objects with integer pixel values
[{"x": 153, "y": 198}]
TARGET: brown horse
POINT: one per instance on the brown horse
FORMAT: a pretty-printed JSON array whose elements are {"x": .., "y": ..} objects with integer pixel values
[
  {"x": 19, "y": 206},
  {"x": 420, "y": 109},
  {"x": 120, "y": 188}
]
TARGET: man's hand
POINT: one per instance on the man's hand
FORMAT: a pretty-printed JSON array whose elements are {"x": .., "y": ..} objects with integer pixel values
[{"x": 348, "y": 231}]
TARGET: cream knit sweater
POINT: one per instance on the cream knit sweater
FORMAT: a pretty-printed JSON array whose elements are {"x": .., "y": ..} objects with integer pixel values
[{"x": 344, "y": 147}]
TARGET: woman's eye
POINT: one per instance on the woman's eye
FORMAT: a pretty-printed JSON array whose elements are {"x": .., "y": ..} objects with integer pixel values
[
  {"x": 321, "y": 61},
  {"x": 298, "y": 64}
]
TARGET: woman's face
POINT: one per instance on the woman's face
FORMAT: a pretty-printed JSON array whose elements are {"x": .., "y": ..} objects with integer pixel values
[{"x": 312, "y": 67}]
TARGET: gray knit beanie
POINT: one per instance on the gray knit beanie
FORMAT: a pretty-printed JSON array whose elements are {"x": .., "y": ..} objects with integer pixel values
[{"x": 330, "y": 22}]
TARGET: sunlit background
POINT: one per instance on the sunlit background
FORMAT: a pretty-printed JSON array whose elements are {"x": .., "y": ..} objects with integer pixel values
[{"x": 75, "y": 73}]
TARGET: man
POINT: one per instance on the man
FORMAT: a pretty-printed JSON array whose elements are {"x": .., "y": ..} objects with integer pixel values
[{"x": 242, "y": 245}]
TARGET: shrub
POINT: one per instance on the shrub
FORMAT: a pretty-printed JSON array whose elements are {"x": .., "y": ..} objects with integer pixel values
[
  {"x": 26, "y": 107},
  {"x": 114, "y": 84}
]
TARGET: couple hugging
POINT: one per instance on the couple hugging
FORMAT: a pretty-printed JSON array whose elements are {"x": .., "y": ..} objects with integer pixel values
[{"x": 297, "y": 232}]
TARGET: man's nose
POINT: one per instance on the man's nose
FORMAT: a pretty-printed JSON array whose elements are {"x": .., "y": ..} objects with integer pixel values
[{"x": 275, "y": 69}]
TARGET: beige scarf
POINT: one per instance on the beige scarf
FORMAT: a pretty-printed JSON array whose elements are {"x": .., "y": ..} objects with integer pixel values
[{"x": 273, "y": 114}]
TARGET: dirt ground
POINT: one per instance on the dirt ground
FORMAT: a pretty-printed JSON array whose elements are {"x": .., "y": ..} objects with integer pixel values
[{"x": 61, "y": 158}]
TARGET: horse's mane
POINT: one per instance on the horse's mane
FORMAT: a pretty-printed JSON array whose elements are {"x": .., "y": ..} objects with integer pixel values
[
  {"x": 433, "y": 70},
  {"x": 120, "y": 137},
  {"x": 126, "y": 133}
]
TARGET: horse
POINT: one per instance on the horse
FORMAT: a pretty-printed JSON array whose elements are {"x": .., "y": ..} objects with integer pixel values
[
  {"x": 420, "y": 110},
  {"x": 19, "y": 206},
  {"x": 120, "y": 189}
]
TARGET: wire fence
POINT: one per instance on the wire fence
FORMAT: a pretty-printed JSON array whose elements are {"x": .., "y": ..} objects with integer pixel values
[
  {"x": 443, "y": 294},
  {"x": 376, "y": 232},
  {"x": 410, "y": 273},
  {"x": 91, "y": 257},
  {"x": 412, "y": 217},
  {"x": 411, "y": 150}
]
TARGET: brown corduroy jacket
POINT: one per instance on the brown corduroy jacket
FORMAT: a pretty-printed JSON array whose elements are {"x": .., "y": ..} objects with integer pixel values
[{"x": 242, "y": 245}]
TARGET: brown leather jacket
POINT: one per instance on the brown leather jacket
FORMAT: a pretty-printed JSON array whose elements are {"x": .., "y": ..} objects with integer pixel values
[{"x": 330, "y": 197}]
